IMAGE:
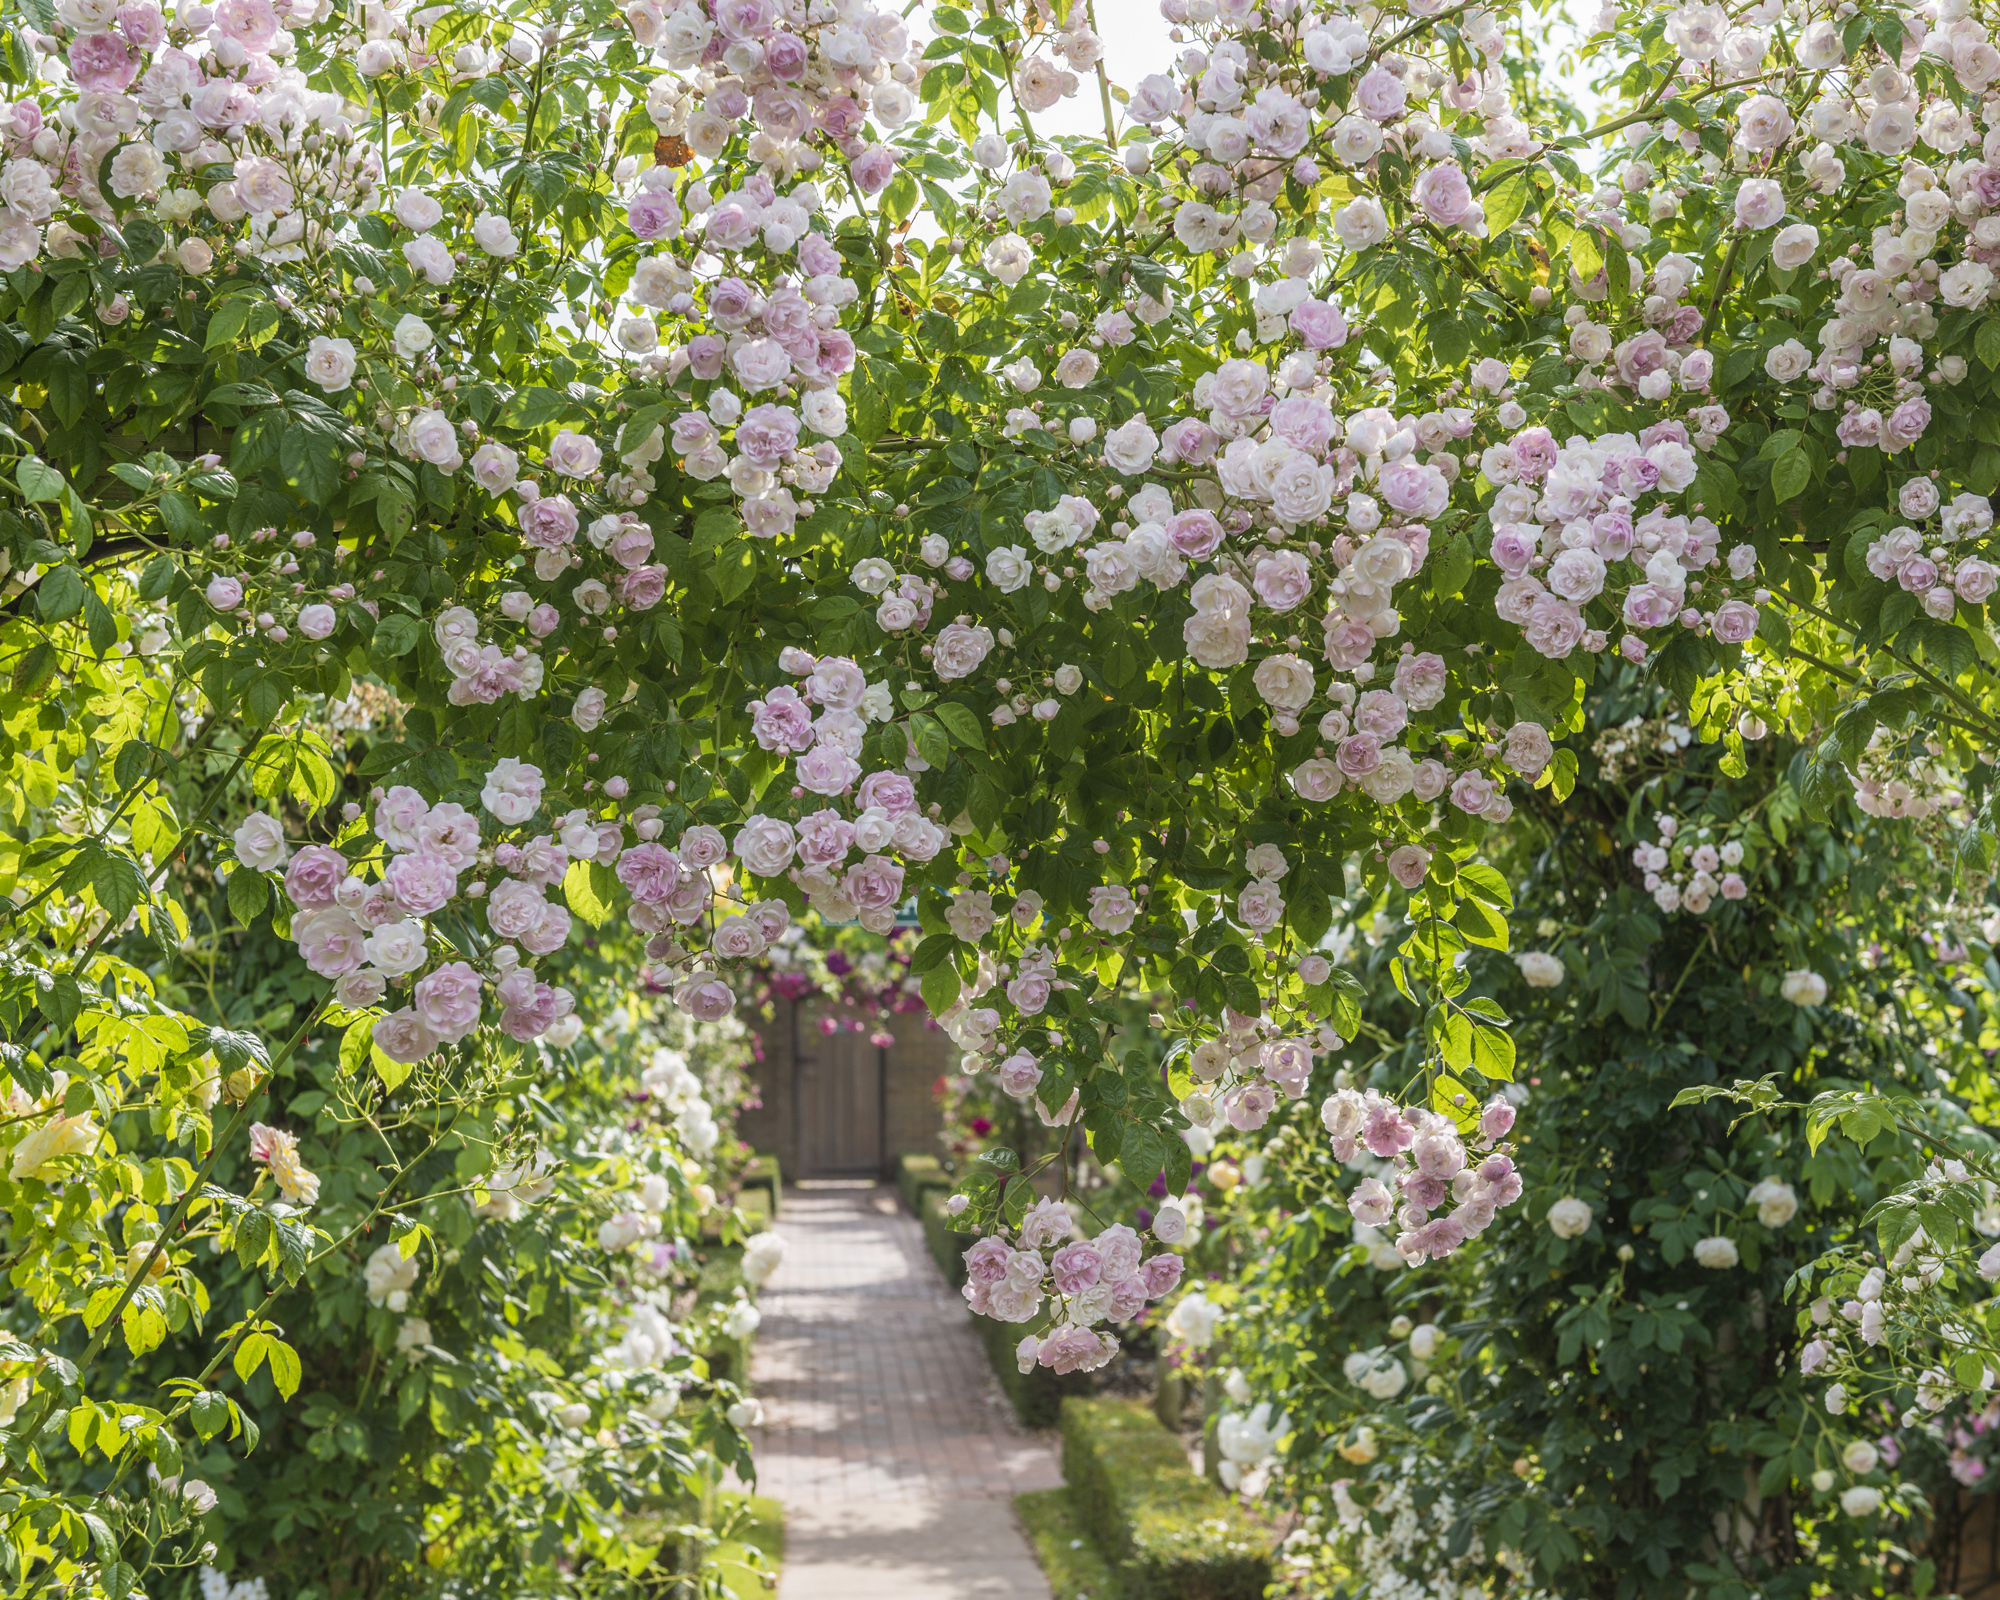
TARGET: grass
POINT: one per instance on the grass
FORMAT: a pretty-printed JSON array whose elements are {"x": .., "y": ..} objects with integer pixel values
[
  {"x": 761, "y": 1529},
  {"x": 1069, "y": 1560}
]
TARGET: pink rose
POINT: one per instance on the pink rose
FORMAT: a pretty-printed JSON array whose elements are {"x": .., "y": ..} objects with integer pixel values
[
  {"x": 549, "y": 934},
  {"x": 643, "y": 588},
  {"x": 890, "y": 791},
  {"x": 1735, "y": 621},
  {"x": 1161, "y": 1274},
  {"x": 1473, "y": 792},
  {"x": 1975, "y": 581},
  {"x": 1316, "y": 780},
  {"x": 315, "y": 873},
  {"x": 421, "y": 882},
  {"x": 403, "y": 1036},
  {"x": 875, "y": 884},
  {"x": 1319, "y": 325},
  {"x": 1019, "y": 1075},
  {"x": 650, "y": 871},
  {"x": 1075, "y": 1267},
  {"x": 329, "y": 940},
  {"x": 705, "y": 999},
  {"x": 448, "y": 1001},
  {"x": 1408, "y": 864}
]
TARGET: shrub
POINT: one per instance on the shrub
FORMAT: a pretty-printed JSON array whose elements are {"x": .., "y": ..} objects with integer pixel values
[
  {"x": 762, "y": 1178},
  {"x": 947, "y": 1244},
  {"x": 1167, "y": 1534},
  {"x": 917, "y": 1176},
  {"x": 1073, "y": 1565},
  {"x": 1036, "y": 1396}
]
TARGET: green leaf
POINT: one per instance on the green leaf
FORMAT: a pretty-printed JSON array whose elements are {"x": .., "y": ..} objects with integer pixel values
[
  {"x": 285, "y": 1369},
  {"x": 1481, "y": 925},
  {"x": 241, "y": 319},
  {"x": 395, "y": 635},
  {"x": 118, "y": 886},
  {"x": 59, "y": 596},
  {"x": 248, "y": 893},
  {"x": 250, "y": 1353},
  {"x": 962, "y": 723},
  {"x": 1493, "y": 1053},
  {"x": 1986, "y": 343},
  {"x": 38, "y": 481},
  {"x": 1449, "y": 577},
  {"x": 1505, "y": 201},
  {"x": 873, "y": 390},
  {"x": 931, "y": 742},
  {"x": 1790, "y": 474},
  {"x": 735, "y": 570},
  {"x": 210, "y": 1413},
  {"x": 1586, "y": 254},
  {"x": 941, "y": 986},
  {"x": 310, "y": 460},
  {"x": 582, "y": 892}
]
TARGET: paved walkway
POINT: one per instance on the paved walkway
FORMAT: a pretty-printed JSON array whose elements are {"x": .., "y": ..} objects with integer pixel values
[{"x": 885, "y": 1436}]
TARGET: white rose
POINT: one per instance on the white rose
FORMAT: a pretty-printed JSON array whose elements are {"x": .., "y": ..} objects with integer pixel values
[
  {"x": 495, "y": 235},
  {"x": 1131, "y": 448},
  {"x": 396, "y": 948},
  {"x": 1803, "y": 987},
  {"x": 1794, "y": 246},
  {"x": 1785, "y": 362},
  {"x": 260, "y": 842},
  {"x": 1717, "y": 1254},
  {"x": 824, "y": 412},
  {"x": 1539, "y": 969},
  {"x": 412, "y": 336},
  {"x": 1361, "y": 222},
  {"x": 1285, "y": 682},
  {"x": 330, "y": 363},
  {"x": 1569, "y": 1217},
  {"x": 1008, "y": 568},
  {"x": 1008, "y": 258},
  {"x": 1776, "y": 1202}
]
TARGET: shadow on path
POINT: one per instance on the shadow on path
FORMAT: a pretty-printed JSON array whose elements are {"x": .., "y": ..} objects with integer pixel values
[{"x": 884, "y": 1434}]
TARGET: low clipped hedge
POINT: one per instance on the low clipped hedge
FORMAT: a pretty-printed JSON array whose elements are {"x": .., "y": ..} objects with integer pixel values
[
  {"x": 947, "y": 1244},
  {"x": 1037, "y": 1396},
  {"x": 762, "y": 1174},
  {"x": 1167, "y": 1534},
  {"x": 917, "y": 1176}
]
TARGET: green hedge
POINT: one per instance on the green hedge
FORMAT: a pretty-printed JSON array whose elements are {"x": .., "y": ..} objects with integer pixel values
[
  {"x": 1069, "y": 1560},
  {"x": 762, "y": 1174},
  {"x": 1036, "y": 1396},
  {"x": 1167, "y": 1534},
  {"x": 917, "y": 1176},
  {"x": 947, "y": 1244}
]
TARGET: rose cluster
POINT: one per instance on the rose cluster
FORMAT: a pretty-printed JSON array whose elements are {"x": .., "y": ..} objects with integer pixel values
[
  {"x": 1085, "y": 1282},
  {"x": 1429, "y": 1165}
]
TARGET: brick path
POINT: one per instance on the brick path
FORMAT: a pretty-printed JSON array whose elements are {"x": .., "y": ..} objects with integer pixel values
[{"x": 885, "y": 1436}]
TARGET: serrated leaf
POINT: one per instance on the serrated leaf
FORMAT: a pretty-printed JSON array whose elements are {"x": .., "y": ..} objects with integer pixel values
[
  {"x": 285, "y": 1369},
  {"x": 929, "y": 736},
  {"x": 248, "y": 893},
  {"x": 37, "y": 480},
  {"x": 1790, "y": 474},
  {"x": 962, "y": 723},
  {"x": 581, "y": 892}
]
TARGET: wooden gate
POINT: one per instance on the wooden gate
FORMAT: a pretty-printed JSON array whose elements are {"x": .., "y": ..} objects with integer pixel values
[{"x": 837, "y": 1098}]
